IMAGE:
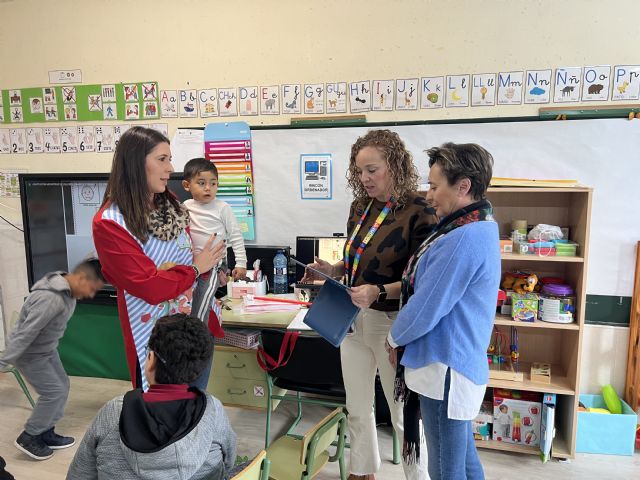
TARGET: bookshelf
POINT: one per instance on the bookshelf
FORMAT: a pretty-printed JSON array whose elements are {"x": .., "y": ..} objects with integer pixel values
[{"x": 557, "y": 344}]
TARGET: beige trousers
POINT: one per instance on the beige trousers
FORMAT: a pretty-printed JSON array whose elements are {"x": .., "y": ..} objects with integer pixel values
[{"x": 363, "y": 353}]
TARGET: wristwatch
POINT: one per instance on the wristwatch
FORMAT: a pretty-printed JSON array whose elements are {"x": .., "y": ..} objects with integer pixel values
[{"x": 382, "y": 295}]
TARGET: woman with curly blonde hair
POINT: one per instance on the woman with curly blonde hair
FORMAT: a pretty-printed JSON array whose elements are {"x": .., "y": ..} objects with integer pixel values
[{"x": 387, "y": 223}]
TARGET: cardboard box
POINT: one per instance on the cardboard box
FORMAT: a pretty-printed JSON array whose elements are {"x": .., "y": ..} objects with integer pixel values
[
  {"x": 482, "y": 424},
  {"x": 524, "y": 307},
  {"x": 506, "y": 245},
  {"x": 547, "y": 429},
  {"x": 516, "y": 417},
  {"x": 603, "y": 433}
]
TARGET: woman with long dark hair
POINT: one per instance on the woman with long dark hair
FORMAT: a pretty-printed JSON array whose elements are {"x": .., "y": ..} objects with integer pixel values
[{"x": 141, "y": 236}]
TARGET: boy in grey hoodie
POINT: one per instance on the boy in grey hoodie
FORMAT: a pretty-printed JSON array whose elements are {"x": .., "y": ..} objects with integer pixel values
[
  {"x": 32, "y": 349},
  {"x": 172, "y": 431}
]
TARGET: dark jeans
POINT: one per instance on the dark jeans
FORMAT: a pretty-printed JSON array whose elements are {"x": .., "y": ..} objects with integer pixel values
[
  {"x": 203, "y": 379},
  {"x": 450, "y": 447}
]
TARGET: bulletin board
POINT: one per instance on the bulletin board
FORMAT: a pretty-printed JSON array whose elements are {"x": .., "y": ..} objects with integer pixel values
[
  {"x": 602, "y": 154},
  {"x": 81, "y": 103}
]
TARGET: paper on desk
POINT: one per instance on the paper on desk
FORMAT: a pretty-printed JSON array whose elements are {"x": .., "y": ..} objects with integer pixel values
[
  {"x": 251, "y": 305},
  {"x": 297, "y": 323}
]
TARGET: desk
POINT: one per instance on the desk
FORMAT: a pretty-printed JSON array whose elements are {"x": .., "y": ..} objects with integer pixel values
[
  {"x": 237, "y": 379},
  {"x": 263, "y": 320}
]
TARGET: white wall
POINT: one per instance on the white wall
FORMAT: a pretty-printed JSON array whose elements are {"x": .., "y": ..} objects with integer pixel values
[{"x": 203, "y": 43}]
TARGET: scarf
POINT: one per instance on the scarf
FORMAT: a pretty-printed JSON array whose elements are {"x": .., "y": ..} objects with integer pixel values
[
  {"x": 476, "y": 212},
  {"x": 166, "y": 222}
]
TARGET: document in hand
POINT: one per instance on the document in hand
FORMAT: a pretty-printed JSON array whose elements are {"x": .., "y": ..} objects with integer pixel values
[{"x": 332, "y": 312}]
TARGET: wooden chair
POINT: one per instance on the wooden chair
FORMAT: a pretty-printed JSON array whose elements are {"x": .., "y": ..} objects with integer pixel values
[
  {"x": 302, "y": 458},
  {"x": 258, "y": 469}
]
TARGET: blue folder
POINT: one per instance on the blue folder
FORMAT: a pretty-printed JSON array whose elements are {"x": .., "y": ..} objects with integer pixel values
[{"x": 332, "y": 312}]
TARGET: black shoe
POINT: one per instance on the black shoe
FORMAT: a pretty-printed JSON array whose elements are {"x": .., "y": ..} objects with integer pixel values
[
  {"x": 55, "y": 441},
  {"x": 33, "y": 446}
]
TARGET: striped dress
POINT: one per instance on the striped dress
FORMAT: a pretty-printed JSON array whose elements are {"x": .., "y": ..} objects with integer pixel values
[{"x": 145, "y": 293}]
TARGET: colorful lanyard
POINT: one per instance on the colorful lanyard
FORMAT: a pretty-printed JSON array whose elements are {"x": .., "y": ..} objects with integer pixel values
[{"x": 372, "y": 231}]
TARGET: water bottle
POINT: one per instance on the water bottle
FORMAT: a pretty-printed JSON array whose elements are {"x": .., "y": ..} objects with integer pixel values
[{"x": 280, "y": 278}]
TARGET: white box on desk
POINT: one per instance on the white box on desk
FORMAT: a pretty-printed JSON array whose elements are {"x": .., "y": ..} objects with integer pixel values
[{"x": 240, "y": 288}]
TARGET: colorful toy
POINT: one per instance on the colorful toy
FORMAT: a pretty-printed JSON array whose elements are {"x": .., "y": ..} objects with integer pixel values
[
  {"x": 598, "y": 410},
  {"x": 611, "y": 399},
  {"x": 510, "y": 278},
  {"x": 525, "y": 285},
  {"x": 515, "y": 354}
]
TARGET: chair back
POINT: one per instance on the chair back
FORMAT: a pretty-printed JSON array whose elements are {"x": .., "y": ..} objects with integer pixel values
[
  {"x": 313, "y": 362},
  {"x": 318, "y": 439},
  {"x": 258, "y": 469}
]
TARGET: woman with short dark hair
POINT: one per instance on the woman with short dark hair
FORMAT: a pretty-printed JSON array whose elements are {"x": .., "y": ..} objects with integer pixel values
[{"x": 449, "y": 290}]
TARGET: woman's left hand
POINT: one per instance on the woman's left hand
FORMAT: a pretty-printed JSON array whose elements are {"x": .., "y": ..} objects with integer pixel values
[
  {"x": 364, "y": 295},
  {"x": 393, "y": 354}
]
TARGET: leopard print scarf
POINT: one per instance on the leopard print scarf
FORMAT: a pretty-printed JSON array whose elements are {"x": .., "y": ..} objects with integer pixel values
[{"x": 166, "y": 222}]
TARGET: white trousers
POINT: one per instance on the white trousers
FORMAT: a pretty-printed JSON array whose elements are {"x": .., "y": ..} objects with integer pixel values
[{"x": 363, "y": 353}]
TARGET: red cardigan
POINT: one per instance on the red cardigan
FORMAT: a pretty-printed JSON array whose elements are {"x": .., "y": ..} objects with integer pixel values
[{"x": 127, "y": 267}]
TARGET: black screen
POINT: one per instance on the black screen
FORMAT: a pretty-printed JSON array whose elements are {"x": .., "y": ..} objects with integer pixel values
[
  {"x": 58, "y": 210},
  {"x": 327, "y": 248}
]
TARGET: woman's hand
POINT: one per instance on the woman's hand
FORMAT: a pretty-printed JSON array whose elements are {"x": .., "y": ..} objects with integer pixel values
[
  {"x": 393, "y": 354},
  {"x": 319, "y": 264},
  {"x": 210, "y": 255},
  {"x": 364, "y": 295}
]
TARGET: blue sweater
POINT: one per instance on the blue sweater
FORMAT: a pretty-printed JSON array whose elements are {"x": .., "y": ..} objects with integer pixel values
[{"x": 449, "y": 318}]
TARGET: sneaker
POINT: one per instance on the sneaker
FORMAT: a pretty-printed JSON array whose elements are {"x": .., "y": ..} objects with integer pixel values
[
  {"x": 55, "y": 441},
  {"x": 33, "y": 446}
]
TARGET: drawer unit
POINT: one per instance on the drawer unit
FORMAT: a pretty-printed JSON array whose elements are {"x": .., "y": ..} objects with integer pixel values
[
  {"x": 237, "y": 379},
  {"x": 232, "y": 362}
]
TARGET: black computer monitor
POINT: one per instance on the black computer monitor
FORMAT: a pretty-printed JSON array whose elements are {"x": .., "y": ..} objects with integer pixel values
[{"x": 327, "y": 248}]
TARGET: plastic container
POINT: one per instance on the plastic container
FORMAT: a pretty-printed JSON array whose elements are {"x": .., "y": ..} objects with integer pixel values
[
  {"x": 565, "y": 248},
  {"x": 544, "y": 249},
  {"x": 280, "y": 277},
  {"x": 608, "y": 434},
  {"x": 556, "y": 303}
]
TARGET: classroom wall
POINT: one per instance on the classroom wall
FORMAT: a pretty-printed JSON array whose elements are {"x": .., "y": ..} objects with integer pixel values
[{"x": 202, "y": 44}]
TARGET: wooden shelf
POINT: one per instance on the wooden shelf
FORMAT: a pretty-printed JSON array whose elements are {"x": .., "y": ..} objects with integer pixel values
[
  {"x": 559, "y": 382},
  {"x": 540, "y": 258},
  {"x": 534, "y": 189},
  {"x": 508, "y": 322},
  {"x": 559, "y": 447},
  {"x": 554, "y": 343},
  {"x": 507, "y": 447}
]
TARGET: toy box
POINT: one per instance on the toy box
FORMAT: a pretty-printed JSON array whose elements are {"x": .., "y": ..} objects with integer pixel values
[
  {"x": 547, "y": 429},
  {"x": 506, "y": 245},
  {"x": 482, "y": 424},
  {"x": 517, "y": 417},
  {"x": 524, "y": 307},
  {"x": 605, "y": 433}
]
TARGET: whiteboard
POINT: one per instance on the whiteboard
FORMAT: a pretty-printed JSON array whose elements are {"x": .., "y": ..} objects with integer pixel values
[{"x": 602, "y": 154}]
